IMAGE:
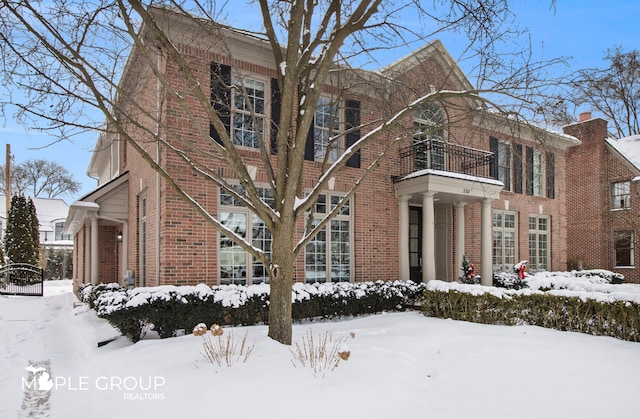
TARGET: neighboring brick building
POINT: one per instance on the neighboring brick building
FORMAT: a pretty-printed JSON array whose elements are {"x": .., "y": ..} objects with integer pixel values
[
  {"x": 470, "y": 182},
  {"x": 603, "y": 202}
]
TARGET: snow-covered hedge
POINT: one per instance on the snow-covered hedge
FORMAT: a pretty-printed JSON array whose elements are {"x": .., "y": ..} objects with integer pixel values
[
  {"x": 172, "y": 308},
  {"x": 588, "y": 303},
  {"x": 596, "y": 276}
]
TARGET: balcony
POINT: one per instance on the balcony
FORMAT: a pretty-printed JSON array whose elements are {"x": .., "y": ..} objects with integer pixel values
[{"x": 437, "y": 155}]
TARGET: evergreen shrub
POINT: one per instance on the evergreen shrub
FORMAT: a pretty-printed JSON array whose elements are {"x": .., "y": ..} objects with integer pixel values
[
  {"x": 619, "y": 319},
  {"x": 170, "y": 309}
]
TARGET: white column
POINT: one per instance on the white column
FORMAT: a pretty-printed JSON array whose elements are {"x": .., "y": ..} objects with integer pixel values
[
  {"x": 403, "y": 238},
  {"x": 459, "y": 236},
  {"x": 428, "y": 238},
  {"x": 125, "y": 249},
  {"x": 486, "y": 261},
  {"x": 87, "y": 255},
  {"x": 94, "y": 250}
]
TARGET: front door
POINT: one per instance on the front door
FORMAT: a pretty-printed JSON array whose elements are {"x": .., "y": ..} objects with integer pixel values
[
  {"x": 442, "y": 242},
  {"x": 415, "y": 244}
]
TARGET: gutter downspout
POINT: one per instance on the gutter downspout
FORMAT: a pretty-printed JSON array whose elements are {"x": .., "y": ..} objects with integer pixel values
[{"x": 158, "y": 178}]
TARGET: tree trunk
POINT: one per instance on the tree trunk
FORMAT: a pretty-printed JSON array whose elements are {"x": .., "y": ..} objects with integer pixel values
[{"x": 281, "y": 282}]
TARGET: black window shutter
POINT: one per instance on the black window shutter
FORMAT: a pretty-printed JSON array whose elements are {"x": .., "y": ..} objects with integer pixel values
[
  {"x": 517, "y": 169},
  {"x": 221, "y": 97},
  {"x": 529, "y": 165},
  {"x": 310, "y": 145},
  {"x": 352, "y": 117},
  {"x": 276, "y": 103},
  {"x": 551, "y": 175},
  {"x": 493, "y": 164},
  {"x": 507, "y": 181}
]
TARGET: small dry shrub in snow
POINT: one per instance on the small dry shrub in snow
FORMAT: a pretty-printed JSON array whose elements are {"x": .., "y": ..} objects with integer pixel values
[
  {"x": 216, "y": 330},
  {"x": 200, "y": 329},
  {"x": 321, "y": 353},
  {"x": 225, "y": 351}
]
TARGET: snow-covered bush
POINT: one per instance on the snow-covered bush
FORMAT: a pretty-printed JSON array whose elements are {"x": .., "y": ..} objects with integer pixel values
[
  {"x": 509, "y": 280},
  {"x": 173, "y": 308},
  {"x": 89, "y": 292},
  {"x": 600, "y": 276},
  {"x": 329, "y": 300},
  {"x": 554, "y": 300}
]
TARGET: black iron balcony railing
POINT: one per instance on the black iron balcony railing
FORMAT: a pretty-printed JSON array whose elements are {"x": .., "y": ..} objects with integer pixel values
[{"x": 438, "y": 155}]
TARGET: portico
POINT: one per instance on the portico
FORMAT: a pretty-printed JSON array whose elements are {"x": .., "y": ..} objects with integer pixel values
[{"x": 437, "y": 192}]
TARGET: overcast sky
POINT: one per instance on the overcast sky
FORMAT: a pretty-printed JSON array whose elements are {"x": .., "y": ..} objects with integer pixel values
[{"x": 580, "y": 29}]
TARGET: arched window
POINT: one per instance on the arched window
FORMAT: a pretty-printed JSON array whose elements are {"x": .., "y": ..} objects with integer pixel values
[{"x": 429, "y": 137}]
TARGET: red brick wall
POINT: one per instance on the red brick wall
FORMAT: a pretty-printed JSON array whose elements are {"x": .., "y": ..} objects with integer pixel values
[
  {"x": 622, "y": 220},
  {"x": 183, "y": 250},
  {"x": 108, "y": 256},
  {"x": 592, "y": 168},
  {"x": 587, "y": 188}
]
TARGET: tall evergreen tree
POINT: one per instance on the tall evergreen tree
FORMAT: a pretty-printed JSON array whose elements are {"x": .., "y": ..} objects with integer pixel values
[
  {"x": 34, "y": 226},
  {"x": 20, "y": 242}
]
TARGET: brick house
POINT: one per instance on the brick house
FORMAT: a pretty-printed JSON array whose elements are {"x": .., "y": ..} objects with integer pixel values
[
  {"x": 469, "y": 182},
  {"x": 602, "y": 176}
]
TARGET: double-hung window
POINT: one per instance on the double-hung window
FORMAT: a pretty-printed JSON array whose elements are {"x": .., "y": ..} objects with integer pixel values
[
  {"x": 620, "y": 195},
  {"x": 623, "y": 246},
  {"x": 58, "y": 229},
  {"x": 504, "y": 164},
  {"x": 248, "y": 112},
  {"x": 325, "y": 127},
  {"x": 328, "y": 254},
  {"x": 505, "y": 233},
  {"x": 538, "y": 173},
  {"x": 235, "y": 264}
]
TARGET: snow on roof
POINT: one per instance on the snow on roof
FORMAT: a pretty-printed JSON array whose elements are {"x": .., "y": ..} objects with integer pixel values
[
  {"x": 47, "y": 209},
  {"x": 462, "y": 176},
  {"x": 628, "y": 147}
]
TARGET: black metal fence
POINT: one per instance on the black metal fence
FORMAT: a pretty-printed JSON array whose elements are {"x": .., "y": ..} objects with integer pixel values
[
  {"x": 438, "y": 155},
  {"x": 21, "y": 279}
]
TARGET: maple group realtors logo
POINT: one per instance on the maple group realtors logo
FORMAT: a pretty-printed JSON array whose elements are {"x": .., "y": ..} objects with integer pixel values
[
  {"x": 131, "y": 387},
  {"x": 40, "y": 378}
]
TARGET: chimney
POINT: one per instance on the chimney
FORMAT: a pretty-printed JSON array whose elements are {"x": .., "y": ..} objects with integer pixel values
[{"x": 584, "y": 116}]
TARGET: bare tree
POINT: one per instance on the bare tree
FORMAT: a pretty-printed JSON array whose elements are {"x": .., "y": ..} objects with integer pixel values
[
  {"x": 40, "y": 178},
  {"x": 613, "y": 92},
  {"x": 69, "y": 55}
]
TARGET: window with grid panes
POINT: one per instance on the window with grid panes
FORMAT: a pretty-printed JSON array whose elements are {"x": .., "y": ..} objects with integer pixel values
[
  {"x": 429, "y": 137},
  {"x": 235, "y": 264},
  {"x": 623, "y": 246},
  {"x": 504, "y": 164},
  {"x": 248, "y": 112},
  {"x": 328, "y": 254},
  {"x": 325, "y": 127},
  {"x": 538, "y": 173},
  {"x": 505, "y": 241},
  {"x": 620, "y": 195},
  {"x": 539, "y": 231}
]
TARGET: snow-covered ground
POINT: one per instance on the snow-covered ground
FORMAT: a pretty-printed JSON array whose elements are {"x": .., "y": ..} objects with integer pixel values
[{"x": 401, "y": 365}]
